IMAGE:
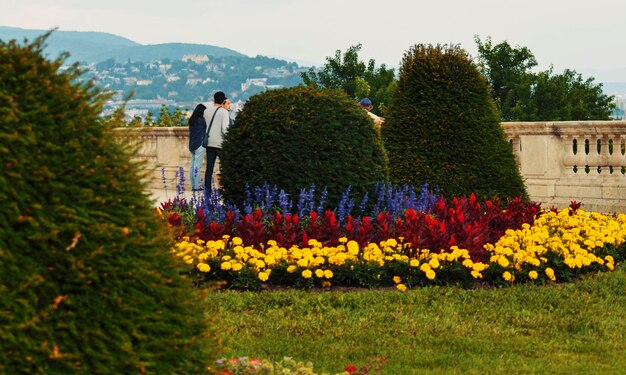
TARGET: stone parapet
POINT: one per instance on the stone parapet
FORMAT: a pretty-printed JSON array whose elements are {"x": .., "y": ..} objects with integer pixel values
[
  {"x": 560, "y": 162},
  {"x": 566, "y": 161}
]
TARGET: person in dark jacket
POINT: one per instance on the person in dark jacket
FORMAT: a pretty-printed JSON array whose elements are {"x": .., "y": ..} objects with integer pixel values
[{"x": 197, "y": 128}]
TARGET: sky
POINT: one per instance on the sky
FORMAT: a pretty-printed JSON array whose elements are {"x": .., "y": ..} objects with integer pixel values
[{"x": 588, "y": 37}]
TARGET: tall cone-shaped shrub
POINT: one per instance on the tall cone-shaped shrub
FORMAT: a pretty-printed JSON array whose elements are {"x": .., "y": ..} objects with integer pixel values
[
  {"x": 442, "y": 128},
  {"x": 86, "y": 281},
  {"x": 297, "y": 136}
]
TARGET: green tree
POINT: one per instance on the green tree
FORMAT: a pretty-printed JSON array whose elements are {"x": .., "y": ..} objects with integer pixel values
[
  {"x": 165, "y": 117},
  {"x": 507, "y": 70},
  {"x": 179, "y": 118},
  {"x": 358, "y": 80},
  {"x": 135, "y": 122},
  {"x": 522, "y": 95},
  {"x": 443, "y": 128},
  {"x": 562, "y": 97},
  {"x": 149, "y": 120},
  {"x": 86, "y": 282}
]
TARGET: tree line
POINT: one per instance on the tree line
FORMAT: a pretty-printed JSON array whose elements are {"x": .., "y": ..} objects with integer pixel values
[{"x": 519, "y": 93}]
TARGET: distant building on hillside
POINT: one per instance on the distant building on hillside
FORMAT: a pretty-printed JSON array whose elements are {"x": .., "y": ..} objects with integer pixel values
[
  {"x": 261, "y": 82},
  {"x": 198, "y": 59},
  {"x": 620, "y": 108}
]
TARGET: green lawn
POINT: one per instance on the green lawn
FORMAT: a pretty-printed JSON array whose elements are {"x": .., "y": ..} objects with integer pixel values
[{"x": 576, "y": 328}]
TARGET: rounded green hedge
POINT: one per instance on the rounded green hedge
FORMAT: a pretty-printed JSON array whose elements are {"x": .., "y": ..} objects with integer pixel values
[
  {"x": 86, "y": 281},
  {"x": 442, "y": 128},
  {"x": 297, "y": 136}
]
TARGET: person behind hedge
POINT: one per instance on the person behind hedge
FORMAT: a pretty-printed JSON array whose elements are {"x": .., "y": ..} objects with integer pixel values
[
  {"x": 366, "y": 104},
  {"x": 216, "y": 130},
  {"x": 197, "y": 128}
]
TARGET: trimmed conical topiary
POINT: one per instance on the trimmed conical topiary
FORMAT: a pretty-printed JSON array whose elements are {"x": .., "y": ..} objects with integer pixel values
[
  {"x": 86, "y": 281},
  {"x": 442, "y": 128},
  {"x": 299, "y": 136}
]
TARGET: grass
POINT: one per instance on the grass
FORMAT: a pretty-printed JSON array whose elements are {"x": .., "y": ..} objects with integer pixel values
[{"x": 575, "y": 328}]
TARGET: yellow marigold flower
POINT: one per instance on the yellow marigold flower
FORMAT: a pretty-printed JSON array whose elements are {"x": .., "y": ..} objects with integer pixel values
[
  {"x": 260, "y": 264},
  {"x": 507, "y": 276},
  {"x": 610, "y": 266},
  {"x": 226, "y": 258},
  {"x": 236, "y": 266},
  {"x": 272, "y": 243},
  {"x": 414, "y": 263},
  {"x": 425, "y": 267},
  {"x": 532, "y": 275},
  {"x": 503, "y": 262},
  {"x": 319, "y": 261},
  {"x": 392, "y": 242},
  {"x": 477, "y": 275},
  {"x": 226, "y": 266},
  {"x": 430, "y": 274},
  {"x": 328, "y": 274},
  {"x": 291, "y": 269},
  {"x": 269, "y": 261},
  {"x": 534, "y": 261},
  {"x": 203, "y": 267},
  {"x": 467, "y": 263},
  {"x": 609, "y": 259},
  {"x": 479, "y": 267},
  {"x": 319, "y": 273},
  {"x": 397, "y": 279},
  {"x": 550, "y": 273},
  {"x": 307, "y": 274},
  {"x": 304, "y": 262},
  {"x": 188, "y": 259},
  {"x": 434, "y": 263},
  {"x": 263, "y": 276},
  {"x": 353, "y": 247},
  {"x": 237, "y": 241},
  {"x": 401, "y": 287},
  {"x": 343, "y": 239}
]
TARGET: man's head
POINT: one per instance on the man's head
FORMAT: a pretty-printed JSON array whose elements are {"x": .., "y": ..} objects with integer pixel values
[
  {"x": 366, "y": 103},
  {"x": 219, "y": 97}
]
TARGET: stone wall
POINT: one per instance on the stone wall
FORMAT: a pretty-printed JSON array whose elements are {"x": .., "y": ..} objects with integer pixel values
[{"x": 560, "y": 162}]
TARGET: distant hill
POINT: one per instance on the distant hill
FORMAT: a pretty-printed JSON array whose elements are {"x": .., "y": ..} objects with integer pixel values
[
  {"x": 172, "y": 51},
  {"x": 89, "y": 46},
  {"x": 82, "y": 45}
]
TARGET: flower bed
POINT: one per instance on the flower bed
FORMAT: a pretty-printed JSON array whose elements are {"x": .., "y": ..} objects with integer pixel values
[
  {"x": 461, "y": 242},
  {"x": 288, "y": 365}
]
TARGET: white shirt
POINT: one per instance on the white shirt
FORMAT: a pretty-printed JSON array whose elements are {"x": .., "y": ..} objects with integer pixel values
[{"x": 219, "y": 127}]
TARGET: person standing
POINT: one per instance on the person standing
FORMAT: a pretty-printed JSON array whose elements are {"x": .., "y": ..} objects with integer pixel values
[
  {"x": 217, "y": 119},
  {"x": 197, "y": 128},
  {"x": 366, "y": 104}
]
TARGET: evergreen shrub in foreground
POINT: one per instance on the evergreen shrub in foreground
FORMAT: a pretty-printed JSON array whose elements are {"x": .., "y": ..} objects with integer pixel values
[{"x": 85, "y": 283}]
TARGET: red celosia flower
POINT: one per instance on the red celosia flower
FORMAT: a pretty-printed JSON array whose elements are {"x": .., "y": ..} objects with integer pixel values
[{"x": 350, "y": 368}]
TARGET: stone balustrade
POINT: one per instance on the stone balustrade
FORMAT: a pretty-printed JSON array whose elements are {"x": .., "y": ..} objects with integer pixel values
[
  {"x": 560, "y": 162},
  {"x": 565, "y": 161}
]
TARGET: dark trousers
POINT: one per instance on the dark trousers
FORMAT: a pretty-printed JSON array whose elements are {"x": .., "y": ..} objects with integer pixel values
[{"x": 212, "y": 153}]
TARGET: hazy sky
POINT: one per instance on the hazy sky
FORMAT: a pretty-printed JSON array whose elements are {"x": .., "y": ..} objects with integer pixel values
[{"x": 589, "y": 37}]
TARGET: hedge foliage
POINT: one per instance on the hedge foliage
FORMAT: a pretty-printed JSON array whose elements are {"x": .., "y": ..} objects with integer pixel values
[
  {"x": 442, "y": 128},
  {"x": 297, "y": 136},
  {"x": 86, "y": 283}
]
